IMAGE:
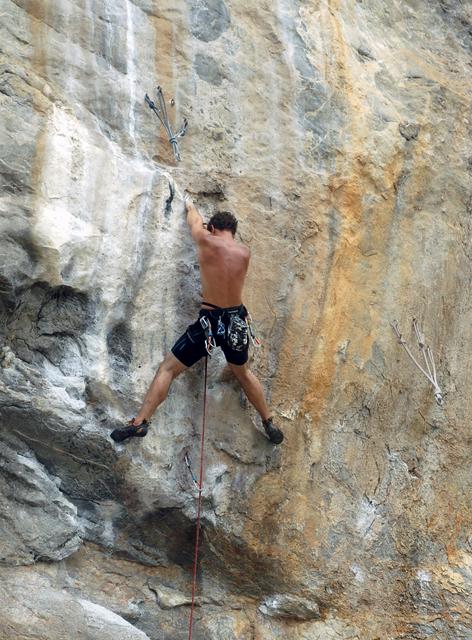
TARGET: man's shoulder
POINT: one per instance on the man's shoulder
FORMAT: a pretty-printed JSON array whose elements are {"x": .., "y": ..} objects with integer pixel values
[{"x": 242, "y": 250}]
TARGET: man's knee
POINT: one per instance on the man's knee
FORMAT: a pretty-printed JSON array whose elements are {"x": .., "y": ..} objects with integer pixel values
[
  {"x": 171, "y": 366},
  {"x": 242, "y": 372}
]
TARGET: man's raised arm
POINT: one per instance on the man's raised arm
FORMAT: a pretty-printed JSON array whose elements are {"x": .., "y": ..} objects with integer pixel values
[{"x": 194, "y": 220}]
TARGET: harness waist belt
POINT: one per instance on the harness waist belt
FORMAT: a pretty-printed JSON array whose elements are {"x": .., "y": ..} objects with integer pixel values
[{"x": 217, "y": 308}]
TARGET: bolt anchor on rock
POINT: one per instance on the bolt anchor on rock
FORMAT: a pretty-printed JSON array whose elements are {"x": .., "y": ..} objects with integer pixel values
[
  {"x": 160, "y": 110},
  {"x": 429, "y": 369}
]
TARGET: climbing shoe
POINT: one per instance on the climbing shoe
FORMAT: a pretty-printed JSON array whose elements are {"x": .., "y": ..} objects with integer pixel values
[
  {"x": 130, "y": 431},
  {"x": 275, "y": 435}
]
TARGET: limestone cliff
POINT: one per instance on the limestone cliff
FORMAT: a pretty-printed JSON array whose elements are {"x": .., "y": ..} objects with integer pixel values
[{"x": 339, "y": 132}]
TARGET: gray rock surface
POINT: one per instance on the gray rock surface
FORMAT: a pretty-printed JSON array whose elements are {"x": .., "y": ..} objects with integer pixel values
[
  {"x": 208, "y": 19},
  {"x": 37, "y": 522},
  {"x": 33, "y": 608},
  {"x": 288, "y": 606},
  {"x": 340, "y": 134}
]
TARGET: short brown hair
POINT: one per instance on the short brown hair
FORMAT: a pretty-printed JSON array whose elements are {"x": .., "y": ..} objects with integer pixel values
[{"x": 223, "y": 220}]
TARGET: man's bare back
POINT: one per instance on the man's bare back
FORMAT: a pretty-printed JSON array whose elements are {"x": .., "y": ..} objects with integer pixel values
[{"x": 223, "y": 268}]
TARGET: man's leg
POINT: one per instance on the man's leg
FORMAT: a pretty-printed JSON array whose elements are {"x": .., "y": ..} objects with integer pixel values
[
  {"x": 255, "y": 394},
  {"x": 252, "y": 388},
  {"x": 168, "y": 370}
]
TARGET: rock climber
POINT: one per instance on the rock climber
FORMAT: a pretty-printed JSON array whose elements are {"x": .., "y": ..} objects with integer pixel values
[{"x": 221, "y": 322}]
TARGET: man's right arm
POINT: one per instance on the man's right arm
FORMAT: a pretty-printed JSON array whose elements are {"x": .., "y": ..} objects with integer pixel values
[{"x": 194, "y": 220}]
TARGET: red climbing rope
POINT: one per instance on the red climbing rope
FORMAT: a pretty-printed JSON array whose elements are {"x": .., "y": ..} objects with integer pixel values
[{"x": 200, "y": 487}]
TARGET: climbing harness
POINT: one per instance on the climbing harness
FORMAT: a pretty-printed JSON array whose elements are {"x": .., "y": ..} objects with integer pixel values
[
  {"x": 199, "y": 507},
  {"x": 430, "y": 371},
  {"x": 161, "y": 112},
  {"x": 210, "y": 344},
  {"x": 239, "y": 334}
]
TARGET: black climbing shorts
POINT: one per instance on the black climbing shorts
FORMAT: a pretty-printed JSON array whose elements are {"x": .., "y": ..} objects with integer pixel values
[{"x": 229, "y": 331}]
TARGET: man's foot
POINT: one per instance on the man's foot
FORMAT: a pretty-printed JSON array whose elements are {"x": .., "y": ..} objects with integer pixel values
[
  {"x": 130, "y": 431},
  {"x": 275, "y": 435}
]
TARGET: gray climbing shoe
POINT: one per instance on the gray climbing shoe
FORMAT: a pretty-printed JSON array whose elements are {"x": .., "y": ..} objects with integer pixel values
[
  {"x": 130, "y": 431},
  {"x": 274, "y": 434}
]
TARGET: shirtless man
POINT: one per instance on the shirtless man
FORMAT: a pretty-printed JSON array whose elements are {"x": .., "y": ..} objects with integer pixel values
[{"x": 221, "y": 322}]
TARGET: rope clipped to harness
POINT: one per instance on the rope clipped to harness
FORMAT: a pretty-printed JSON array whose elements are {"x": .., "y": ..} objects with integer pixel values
[
  {"x": 160, "y": 110},
  {"x": 199, "y": 508},
  {"x": 430, "y": 371}
]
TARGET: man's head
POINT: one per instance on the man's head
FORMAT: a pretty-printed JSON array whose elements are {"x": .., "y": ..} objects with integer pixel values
[{"x": 222, "y": 221}]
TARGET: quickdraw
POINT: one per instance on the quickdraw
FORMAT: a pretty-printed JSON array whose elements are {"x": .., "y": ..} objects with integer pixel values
[
  {"x": 252, "y": 333},
  {"x": 210, "y": 344},
  {"x": 161, "y": 112},
  {"x": 188, "y": 463},
  {"x": 430, "y": 371},
  {"x": 221, "y": 329}
]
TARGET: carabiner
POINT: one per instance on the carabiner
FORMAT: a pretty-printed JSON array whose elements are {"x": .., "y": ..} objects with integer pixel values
[{"x": 210, "y": 344}]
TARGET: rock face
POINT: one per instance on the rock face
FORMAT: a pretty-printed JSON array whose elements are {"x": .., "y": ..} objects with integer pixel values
[
  {"x": 339, "y": 132},
  {"x": 52, "y": 613},
  {"x": 37, "y": 521}
]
